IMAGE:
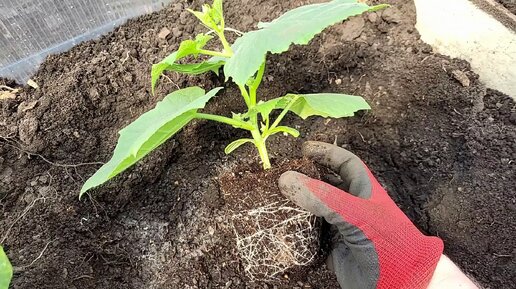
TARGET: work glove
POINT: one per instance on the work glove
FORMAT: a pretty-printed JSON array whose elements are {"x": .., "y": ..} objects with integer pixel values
[{"x": 379, "y": 246}]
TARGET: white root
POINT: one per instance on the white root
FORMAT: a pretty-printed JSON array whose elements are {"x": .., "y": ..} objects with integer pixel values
[{"x": 272, "y": 249}]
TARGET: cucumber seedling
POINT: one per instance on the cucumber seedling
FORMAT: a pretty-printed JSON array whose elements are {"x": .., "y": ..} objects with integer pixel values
[{"x": 244, "y": 63}]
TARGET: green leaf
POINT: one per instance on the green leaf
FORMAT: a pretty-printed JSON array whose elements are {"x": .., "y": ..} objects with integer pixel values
[
  {"x": 211, "y": 16},
  {"x": 334, "y": 105},
  {"x": 297, "y": 26},
  {"x": 265, "y": 108},
  {"x": 186, "y": 48},
  {"x": 6, "y": 270},
  {"x": 285, "y": 129},
  {"x": 150, "y": 130},
  {"x": 236, "y": 144},
  {"x": 327, "y": 105}
]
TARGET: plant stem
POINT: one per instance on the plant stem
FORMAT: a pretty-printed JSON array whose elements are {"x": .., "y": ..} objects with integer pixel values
[
  {"x": 259, "y": 142},
  {"x": 245, "y": 95},
  {"x": 283, "y": 113},
  {"x": 226, "y": 120},
  {"x": 225, "y": 43},
  {"x": 256, "y": 83},
  {"x": 214, "y": 53}
]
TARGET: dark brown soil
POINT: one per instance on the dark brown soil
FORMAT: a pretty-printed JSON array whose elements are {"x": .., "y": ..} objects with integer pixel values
[
  {"x": 444, "y": 151},
  {"x": 509, "y": 4}
]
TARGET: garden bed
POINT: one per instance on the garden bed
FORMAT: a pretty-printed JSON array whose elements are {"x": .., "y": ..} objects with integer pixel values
[
  {"x": 438, "y": 140},
  {"x": 509, "y": 4}
]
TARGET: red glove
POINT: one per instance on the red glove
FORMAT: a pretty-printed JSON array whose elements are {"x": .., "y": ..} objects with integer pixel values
[{"x": 380, "y": 246}]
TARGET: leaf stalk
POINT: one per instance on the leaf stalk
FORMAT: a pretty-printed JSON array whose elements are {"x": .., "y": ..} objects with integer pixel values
[{"x": 233, "y": 122}]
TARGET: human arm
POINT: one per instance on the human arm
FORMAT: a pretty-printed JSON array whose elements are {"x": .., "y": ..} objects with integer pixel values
[{"x": 448, "y": 275}]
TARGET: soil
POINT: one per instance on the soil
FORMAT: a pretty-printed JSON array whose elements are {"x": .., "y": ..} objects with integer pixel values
[
  {"x": 442, "y": 146},
  {"x": 274, "y": 238},
  {"x": 509, "y": 4}
]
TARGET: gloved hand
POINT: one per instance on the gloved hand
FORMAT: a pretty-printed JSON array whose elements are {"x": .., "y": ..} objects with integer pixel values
[{"x": 380, "y": 247}]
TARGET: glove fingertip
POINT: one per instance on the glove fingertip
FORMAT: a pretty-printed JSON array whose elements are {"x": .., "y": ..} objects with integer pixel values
[{"x": 289, "y": 182}]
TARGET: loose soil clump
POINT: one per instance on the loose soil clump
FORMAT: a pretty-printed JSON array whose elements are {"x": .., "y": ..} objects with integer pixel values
[
  {"x": 272, "y": 234},
  {"x": 444, "y": 151}
]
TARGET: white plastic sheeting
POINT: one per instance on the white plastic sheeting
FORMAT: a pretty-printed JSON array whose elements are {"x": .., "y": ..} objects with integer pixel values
[
  {"x": 465, "y": 31},
  {"x": 32, "y": 29}
]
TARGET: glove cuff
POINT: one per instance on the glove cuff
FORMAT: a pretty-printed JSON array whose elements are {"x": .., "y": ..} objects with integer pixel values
[{"x": 412, "y": 268}]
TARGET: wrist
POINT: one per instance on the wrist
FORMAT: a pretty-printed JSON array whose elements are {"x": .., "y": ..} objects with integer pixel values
[{"x": 448, "y": 275}]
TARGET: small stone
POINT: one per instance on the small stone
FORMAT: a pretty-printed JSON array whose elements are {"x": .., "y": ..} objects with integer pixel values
[
  {"x": 27, "y": 129},
  {"x": 178, "y": 7},
  {"x": 512, "y": 118},
  {"x": 183, "y": 17},
  {"x": 164, "y": 33},
  {"x": 391, "y": 15},
  {"x": 426, "y": 49},
  {"x": 499, "y": 105},
  {"x": 211, "y": 231},
  {"x": 24, "y": 106},
  {"x": 43, "y": 179},
  {"x": 45, "y": 191},
  {"x": 32, "y": 84},
  {"x": 353, "y": 28},
  {"x": 6, "y": 175},
  {"x": 338, "y": 81},
  {"x": 461, "y": 77},
  {"x": 177, "y": 32},
  {"x": 372, "y": 17}
]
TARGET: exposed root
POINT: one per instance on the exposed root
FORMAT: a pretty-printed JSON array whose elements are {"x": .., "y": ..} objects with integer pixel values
[
  {"x": 22, "y": 268},
  {"x": 21, "y": 216},
  {"x": 283, "y": 237},
  {"x": 6, "y": 142}
]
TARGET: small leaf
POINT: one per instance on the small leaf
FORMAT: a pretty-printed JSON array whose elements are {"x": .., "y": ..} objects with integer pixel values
[
  {"x": 265, "y": 108},
  {"x": 6, "y": 270},
  {"x": 217, "y": 6},
  {"x": 196, "y": 68},
  {"x": 328, "y": 105},
  {"x": 236, "y": 144},
  {"x": 334, "y": 105},
  {"x": 297, "y": 26},
  {"x": 150, "y": 130},
  {"x": 285, "y": 129},
  {"x": 186, "y": 48},
  {"x": 211, "y": 16}
]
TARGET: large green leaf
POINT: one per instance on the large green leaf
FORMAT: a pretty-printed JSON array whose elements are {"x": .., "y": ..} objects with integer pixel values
[
  {"x": 6, "y": 270},
  {"x": 334, "y": 105},
  {"x": 297, "y": 26},
  {"x": 150, "y": 130},
  {"x": 186, "y": 48}
]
